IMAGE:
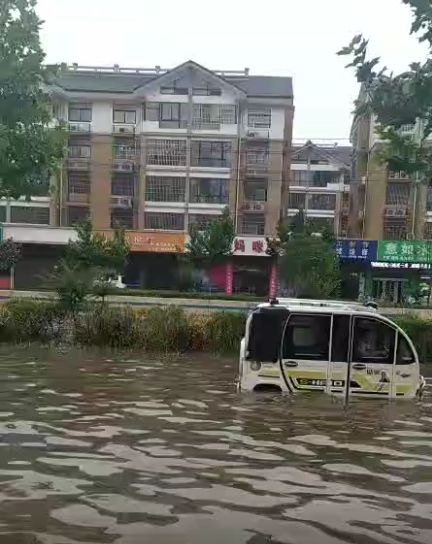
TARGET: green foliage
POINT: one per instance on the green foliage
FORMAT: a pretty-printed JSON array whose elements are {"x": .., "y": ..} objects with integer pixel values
[
  {"x": 30, "y": 151},
  {"x": 29, "y": 320},
  {"x": 223, "y": 332},
  {"x": 310, "y": 267},
  {"x": 213, "y": 243},
  {"x": 420, "y": 332},
  {"x": 73, "y": 285},
  {"x": 113, "y": 327},
  {"x": 165, "y": 329},
  {"x": 94, "y": 250},
  {"x": 10, "y": 254},
  {"x": 397, "y": 100}
]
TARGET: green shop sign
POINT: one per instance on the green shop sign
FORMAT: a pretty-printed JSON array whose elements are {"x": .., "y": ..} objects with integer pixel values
[{"x": 405, "y": 251}]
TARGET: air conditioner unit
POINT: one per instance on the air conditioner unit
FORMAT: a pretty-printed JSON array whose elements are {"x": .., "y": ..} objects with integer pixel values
[
  {"x": 257, "y": 133},
  {"x": 390, "y": 212},
  {"x": 121, "y": 201},
  {"x": 79, "y": 127},
  {"x": 403, "y": 175},
  {"x": 257, "y": 207},
  {"x": 124, "y": 129}
]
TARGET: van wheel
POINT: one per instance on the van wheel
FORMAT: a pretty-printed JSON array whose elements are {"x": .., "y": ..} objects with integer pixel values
[{"x": 267, "y": 388}]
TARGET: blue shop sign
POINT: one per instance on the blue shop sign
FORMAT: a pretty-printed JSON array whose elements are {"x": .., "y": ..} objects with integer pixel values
[{"x": 357, "y": 250}]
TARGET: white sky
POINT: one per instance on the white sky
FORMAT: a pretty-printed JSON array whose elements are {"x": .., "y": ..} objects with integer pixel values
[{"x": 271, "y": 37}]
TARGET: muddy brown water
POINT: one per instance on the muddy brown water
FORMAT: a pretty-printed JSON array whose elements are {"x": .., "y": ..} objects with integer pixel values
[{"x": 125, "y": 449}]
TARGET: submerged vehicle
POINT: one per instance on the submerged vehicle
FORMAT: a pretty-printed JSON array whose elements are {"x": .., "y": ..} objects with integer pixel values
[{"x": 335, "y": 347}]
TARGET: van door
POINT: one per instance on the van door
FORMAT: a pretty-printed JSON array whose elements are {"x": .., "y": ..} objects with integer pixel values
[
  {"x": 407, "y": 372},
  {"x": 305, "y": 351},
  {"x": 373, "y": 355}
]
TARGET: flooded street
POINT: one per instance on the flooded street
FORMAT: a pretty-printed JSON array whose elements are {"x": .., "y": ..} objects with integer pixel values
[{"x": 126, "y": 449}]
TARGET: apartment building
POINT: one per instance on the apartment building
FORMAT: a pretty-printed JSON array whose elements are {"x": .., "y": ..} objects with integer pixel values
[
  {"x": 319, "y": 185},
  {"x": 385, "y": 205},
  {"x": 162, "y": 149},
  {"x": 155, "y": 151}
]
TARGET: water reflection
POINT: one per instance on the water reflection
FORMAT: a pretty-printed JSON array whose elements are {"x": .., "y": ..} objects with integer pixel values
[{"x": 105, "y": 448}]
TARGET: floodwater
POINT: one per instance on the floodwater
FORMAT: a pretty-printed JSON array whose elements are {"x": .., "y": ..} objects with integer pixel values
[{"x": 109, "y": 448}]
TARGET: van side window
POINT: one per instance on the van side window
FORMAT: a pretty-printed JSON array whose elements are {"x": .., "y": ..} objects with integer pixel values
[
  {"x": 341, "y": 332},
  {"x": 265, "y": 334},
  {"x": 405, "y": 355},
  {"x": 307, "y": 337},
  {"x": 374, "y": 341}
]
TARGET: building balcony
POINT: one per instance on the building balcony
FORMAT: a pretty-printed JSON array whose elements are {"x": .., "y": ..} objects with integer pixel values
[
  {"x": 79, "y": 128},
  {"x": 253, "y": 206},
  {"x": 123, "y": 130},
  {"x": 78, "y": 163}
]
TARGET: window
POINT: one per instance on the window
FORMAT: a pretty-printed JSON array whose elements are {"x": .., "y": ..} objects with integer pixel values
[
  {"x": 205, "y": 90},
  {"x": 28, "y": 214},
  {"x": 164, "y": 221},
  {"x": 307, "y": 337},
  {"x": 253, "y": 224},
  {"x": 78, "y": 151},
  {"x": 398, "y": 193},
  {"x": 211, "y": 116},
  {"x": 201, "y": 220},
  {"x": 173, "y": 115},
  {"x": 209, "y": 190},
  {"x": 165, "y": 189},
  {"x": 297, "y": 201},
  {"x": 79, "y": 183},
  {"x": 77, "y": 214},
  {"x": 373, "y": 341},
  {"x": 256, "y": 191},
  {"x": 123, "y": 185},
  {"x": 341, "y": 333},
  {"x": 257, "y": 155},
  {"x": 322, "y": 202},
  {"x": 152, "y": 111},
  {"x": 172, "y": 89},
  {"x": 259, "y": 117},
  {"x": 2, "y": 214},
  {"x": 80, "y": 112},
  {"x": 395, "y": 230},
  {"x": 405, "y": 355},
  {"x": 122, "y": 218},
  {"x": 300, "y": 177},
  {"x": 124, "y": 116},
  {"x": 211, "y": 154},
  {"x": 166, "y": 152},
  {"x": 123, "y": 150}
]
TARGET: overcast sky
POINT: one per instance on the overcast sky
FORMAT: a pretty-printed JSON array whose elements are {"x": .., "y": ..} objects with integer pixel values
[{"x": 272, "y": 37}]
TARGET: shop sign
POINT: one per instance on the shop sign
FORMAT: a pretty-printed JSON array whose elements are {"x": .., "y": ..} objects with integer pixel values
[
  {"x": 250, "y": 246},
  {"x": 405, "y": 251},
  {"x": 357, "y": 250},
  {"x": 154, "y": 241}
]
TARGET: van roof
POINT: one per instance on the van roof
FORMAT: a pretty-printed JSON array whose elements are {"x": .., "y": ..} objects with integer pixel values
[{"x": 320, "y": 306}]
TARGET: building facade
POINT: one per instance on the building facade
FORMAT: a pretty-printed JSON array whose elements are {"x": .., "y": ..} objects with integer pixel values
[
  {"x": 320, "y": 184},
  {"x": 385, "y": 205},
  {"x": 161, "y": 150},
  {"x": 155, "y": 151}
]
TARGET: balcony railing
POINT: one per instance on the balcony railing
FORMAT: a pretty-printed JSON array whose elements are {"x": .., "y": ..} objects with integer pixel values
[
  {"x": 396, "y": 211},
  {"x": 78, "y": 163},
  {"x": 208, "y": 199},
  {"x": 79, "y": 128}
]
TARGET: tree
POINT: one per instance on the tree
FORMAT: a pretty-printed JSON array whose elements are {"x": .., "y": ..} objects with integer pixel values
[
  {"x": 212, "y": 244},
  {"x": 92, "y": 250},
  {"x": 29, "y": 149},
  {"x": 10, "y": 254},
  {"x": 88, "y": 262},
  {"x": 310, "y": 267},
  {"x": 398, "y": 100}
]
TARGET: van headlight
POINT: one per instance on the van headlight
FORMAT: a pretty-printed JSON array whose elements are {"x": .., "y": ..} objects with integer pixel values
[{"x": 255, "y": 365}]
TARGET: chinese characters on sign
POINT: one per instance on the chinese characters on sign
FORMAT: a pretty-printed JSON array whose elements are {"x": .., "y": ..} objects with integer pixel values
[
  {"x": 405, "y": 251},
  {"x": 250, "y": 246},
  {"x": 360, "y": 250}
]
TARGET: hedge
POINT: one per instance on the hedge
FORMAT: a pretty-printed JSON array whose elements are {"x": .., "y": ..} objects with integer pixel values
[{"x": 168, "y": 329}]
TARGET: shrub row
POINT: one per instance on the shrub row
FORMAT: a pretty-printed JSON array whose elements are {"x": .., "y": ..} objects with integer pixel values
[{"x": 167, "y": 329}]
